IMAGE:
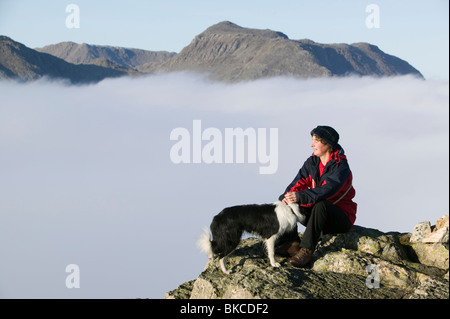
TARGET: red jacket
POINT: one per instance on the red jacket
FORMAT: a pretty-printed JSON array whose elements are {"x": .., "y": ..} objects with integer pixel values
[{"x": 332, "y": 183}]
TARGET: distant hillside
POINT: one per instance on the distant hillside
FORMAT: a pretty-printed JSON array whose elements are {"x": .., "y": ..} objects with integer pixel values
[
  {"x": 135, "y": 59},
  {"x": 24, "y": 64},
  {"x": 232, "y": 53},
  {"x": 225, "y": 51}
]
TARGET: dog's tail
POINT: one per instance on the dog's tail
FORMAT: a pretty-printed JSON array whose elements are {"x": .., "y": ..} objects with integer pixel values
[
  {"x": 204, "y": 243},
  {"x": 301, "y": 218}
]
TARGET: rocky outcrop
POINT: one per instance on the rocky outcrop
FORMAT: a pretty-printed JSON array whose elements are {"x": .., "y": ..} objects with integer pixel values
[
  {"x": 363, "y": 263},
  {"x": 430, "y": 243}
]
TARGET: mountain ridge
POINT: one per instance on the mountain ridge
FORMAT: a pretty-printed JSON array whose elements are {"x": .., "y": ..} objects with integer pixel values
[
  {"x": 19, "y": 62},
  {"x": 231, "y": 53},
  {"x": 224, "y": 52},
  {"x": 127, "y": 58}
]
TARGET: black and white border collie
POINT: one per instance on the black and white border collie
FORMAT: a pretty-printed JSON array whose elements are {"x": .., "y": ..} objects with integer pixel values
[{"x": 268, "y": 221}]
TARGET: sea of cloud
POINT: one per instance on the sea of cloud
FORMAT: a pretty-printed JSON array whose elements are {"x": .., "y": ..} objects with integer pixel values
[{"x": 87, "y": 176}]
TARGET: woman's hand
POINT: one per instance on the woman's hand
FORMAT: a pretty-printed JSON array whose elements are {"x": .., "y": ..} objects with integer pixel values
[{"x": 291, "y": 197}]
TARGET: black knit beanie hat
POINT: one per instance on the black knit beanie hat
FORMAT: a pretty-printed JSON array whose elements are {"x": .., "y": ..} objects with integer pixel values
[{"x": 328, "y": 134}]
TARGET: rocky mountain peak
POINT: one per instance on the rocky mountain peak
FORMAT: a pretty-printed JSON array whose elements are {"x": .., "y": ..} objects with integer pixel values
[
  {"x": 230, "y": 28},
  {"x": 364, "y": 263},
  {"x": 228, "y": 52}
]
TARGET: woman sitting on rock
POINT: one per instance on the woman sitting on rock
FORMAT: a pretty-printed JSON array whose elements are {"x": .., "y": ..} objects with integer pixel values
[{"x": 323, "y": 188}]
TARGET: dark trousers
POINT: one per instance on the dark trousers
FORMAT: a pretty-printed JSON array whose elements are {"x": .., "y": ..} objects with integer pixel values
[{"x": 322, "y": 218}]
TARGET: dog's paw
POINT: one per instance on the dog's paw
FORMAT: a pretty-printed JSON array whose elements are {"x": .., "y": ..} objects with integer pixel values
[{"x": 276, "y": 265}]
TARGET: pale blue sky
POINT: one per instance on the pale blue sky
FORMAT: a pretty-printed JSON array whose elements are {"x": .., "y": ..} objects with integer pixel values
[{"x": 416, "y": 31}]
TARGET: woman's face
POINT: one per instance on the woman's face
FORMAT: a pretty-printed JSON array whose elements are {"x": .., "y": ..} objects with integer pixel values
[{"x": 319, "y": 148}]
